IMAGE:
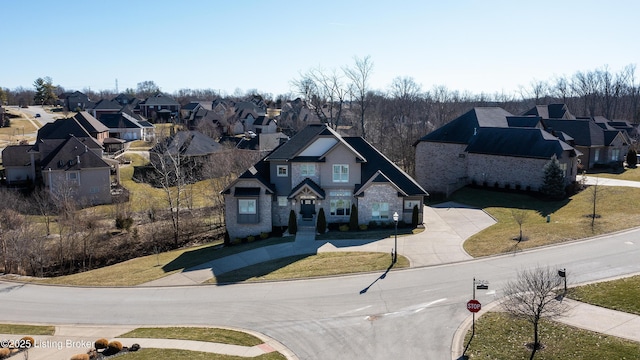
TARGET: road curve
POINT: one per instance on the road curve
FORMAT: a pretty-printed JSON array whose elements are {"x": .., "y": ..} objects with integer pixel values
[{"x": 405, "y": 315}]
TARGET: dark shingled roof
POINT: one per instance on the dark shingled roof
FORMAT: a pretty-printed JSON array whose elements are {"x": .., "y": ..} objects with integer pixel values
[
  {"x": 16, "y": 155},
  {"x": 259, "y": 172},
  {"x": 90, "y": 123},
  {"x": 189, "y": 143},
  {"x": 309, "y": 183},
  {"x": 61, "y": 129},
  {"x": 517, "y": 142},
  {"x": 66, "y": 156},
  {"x": 523, "y": 121},
  {"x": 289, "y": 149},
  {"x": 105, "y": 104},
  {"x": 246, "y": 191},
  {"x": 376, "y": 161},
  {"x": 160, "y": 99},
  {"x": 461, "y": 129},
  {"x": 584, "y": 132},
  {"x": 119, "y": 121},
  {"x": 552, "y": 111}
]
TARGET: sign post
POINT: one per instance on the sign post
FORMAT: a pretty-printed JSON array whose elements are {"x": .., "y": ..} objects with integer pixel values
[{"x": 474, "y": 306}]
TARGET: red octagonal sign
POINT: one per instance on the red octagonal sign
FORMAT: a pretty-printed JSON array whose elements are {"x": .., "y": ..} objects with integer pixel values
[{"x": 474, "y": 306}]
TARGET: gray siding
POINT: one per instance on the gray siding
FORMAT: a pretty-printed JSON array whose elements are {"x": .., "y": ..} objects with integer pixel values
[
  {"x": 439, "y": 166},
  {"x": 235, "y": 227}
]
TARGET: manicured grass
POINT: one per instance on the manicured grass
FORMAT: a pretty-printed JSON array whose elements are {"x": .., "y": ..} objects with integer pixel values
[
  {"x": 303, "y": 266},
  {"x": 154, "y": 354},
  {"x": 29, "y": 330},
  {"x": 631, "y": 174},
  {"x": 621, "y": 294},
  {"x": 216, "y": 335},
  {"x": 499, "y": 336},
  {"x": 147, "y": 268},
  {"x": 569, "y": 218}
]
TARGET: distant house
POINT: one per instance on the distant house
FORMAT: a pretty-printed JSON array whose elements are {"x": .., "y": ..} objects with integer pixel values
[
  {"x": 105, "y": 107},
  {"x": 126, "y": 126},
  {"x": 599, "y": 143},
  {"x": 94, "y": 127},
  {"x": 490, "y": 146},
  {"x": 75, "y": 170},
  {"x": 67, "y": 159},
  {"x": 159, "y": 108},
  {"x": 76, "y": 101},
  {"x": 318, "y": 168},
  {"x": 191, "y": 148},
  {"x": 19, "y": 167}
]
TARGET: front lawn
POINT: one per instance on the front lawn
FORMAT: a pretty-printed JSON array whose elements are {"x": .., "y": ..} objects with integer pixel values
[
  {"x": 500, "y": 336},
  {"x": 621, "y": 294},
  {"x": 216, "y": 335},
  {"x": 616, "y": 209}
]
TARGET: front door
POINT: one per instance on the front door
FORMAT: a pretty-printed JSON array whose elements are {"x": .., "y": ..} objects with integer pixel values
[{"x": 307, "y": 208}]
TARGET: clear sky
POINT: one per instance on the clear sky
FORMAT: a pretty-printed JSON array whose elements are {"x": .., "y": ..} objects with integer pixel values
[{"x": 480, "y": 46}]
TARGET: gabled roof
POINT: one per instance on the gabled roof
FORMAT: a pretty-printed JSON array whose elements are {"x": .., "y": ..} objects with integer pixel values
[
  {"x": 72, "y": 154},
  {"x": 377, "y": 178},
  {"x": 91, "y": 124},
  {"x": 300, "y": 141},
  {"x": 523, "y": 121},
  {"x": 262, "y": 121},
  {"x": 188, "y": 143},
  {"x": 16, "y": 155},
  {"x": 552, "y": 111},
  {"x": 160, "y": 99},
  {"x": 377, "y": 162},
  {"x": 105, "y": 104},
  {"x": 610, "y": 135},
  {"x": 461, "y": 129},
  {"x": 258, "y": 172},
  {"x": 191, "y": 106},
  {"x": 119, "y": 121},
  {"x": 517, "y": 142},
  {"x": 307, "y": 184},
  {"x": 584, "y": 132},
  {"x": 61, "y": 129}
]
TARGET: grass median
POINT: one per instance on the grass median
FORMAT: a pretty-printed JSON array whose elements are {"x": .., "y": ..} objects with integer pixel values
[
  {"x": 621, "y": 294},
  {"x": 154, "y": 354}
]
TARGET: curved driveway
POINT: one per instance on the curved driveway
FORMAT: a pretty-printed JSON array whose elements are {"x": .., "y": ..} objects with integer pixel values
[{"x": 408, "y": 314}]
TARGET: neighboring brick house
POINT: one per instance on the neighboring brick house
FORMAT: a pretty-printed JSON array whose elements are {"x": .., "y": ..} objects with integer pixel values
[
  {"x": 318, "y": 168},
  {"x": 67, "y": 159},
  {"x": 600, "y": 143},
  {"x": 105, "y": 107},
  {"x": 160, "y": 108},
  {"x": 76, "y": 101},
  {"x": 127, "y": 126},
  {"x": 488, "y": 145}
]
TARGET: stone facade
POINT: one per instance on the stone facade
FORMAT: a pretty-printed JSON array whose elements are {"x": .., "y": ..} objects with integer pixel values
[
  {"x": 444, "y": 168},
  {"x": 441, "y": 167},
  {"x": 240, "y": 230},
  {"x": 379, "y": 193}
]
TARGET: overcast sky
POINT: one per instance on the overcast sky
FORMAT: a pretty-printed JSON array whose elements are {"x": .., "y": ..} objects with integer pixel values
[{"x": 478, "y": 46}]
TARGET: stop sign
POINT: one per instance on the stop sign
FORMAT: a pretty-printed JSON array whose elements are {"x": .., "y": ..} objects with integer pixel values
[{"x": 474, "y": 306}]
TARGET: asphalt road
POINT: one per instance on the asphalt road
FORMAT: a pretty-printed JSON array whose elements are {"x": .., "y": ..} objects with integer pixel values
[{"x": 409, "y": 314}]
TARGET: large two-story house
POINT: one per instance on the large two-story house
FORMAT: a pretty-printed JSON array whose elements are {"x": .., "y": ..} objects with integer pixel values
[
  {"x": 490, "y": 146},
  {"x": 318, "y": 168}
]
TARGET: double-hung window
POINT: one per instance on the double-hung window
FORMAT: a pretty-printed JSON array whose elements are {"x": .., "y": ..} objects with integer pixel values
[
  {"x": 340, "y": 173},
  {"x": 307, "y": 170},
  {"x": 247, "y": 206},
  {"x": 380, "y": 211}
]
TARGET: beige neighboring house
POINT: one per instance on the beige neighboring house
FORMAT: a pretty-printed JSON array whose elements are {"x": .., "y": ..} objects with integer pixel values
[
  {"x": 74, "y": 170},
  {"x": 66, "y": 159},
  {"x": 317, "y": 168}
]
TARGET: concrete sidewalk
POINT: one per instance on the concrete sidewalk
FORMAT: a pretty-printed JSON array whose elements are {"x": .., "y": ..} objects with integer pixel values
[
  {"x": 579, "y": 315},
  {"x": 447, "y": 226},
  {"x": 70, "y": 340}
]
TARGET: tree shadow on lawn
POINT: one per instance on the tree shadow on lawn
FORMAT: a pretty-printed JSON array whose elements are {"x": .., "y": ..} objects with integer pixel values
[
  {"x": 193, "y": 258},
  {"x": 257, "y": 270},
  {"x": 484, "y": 198}
]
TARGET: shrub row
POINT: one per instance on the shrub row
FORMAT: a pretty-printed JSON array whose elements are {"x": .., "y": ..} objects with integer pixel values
[{"x": 250, "y": 238}]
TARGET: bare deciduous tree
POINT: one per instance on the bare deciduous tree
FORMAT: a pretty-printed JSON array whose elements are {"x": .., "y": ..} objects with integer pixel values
[
  {"x": 520, "y": 217},
  {"x": 359, "y": 75},
  {"x": 532, "y": 297}
]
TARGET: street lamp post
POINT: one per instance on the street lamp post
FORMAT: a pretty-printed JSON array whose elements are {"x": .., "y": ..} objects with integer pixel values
[{"x": 395, "y": 243}]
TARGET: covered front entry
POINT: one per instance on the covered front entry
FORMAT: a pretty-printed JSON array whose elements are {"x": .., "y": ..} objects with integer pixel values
[{"x": 307, "y": 208}]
